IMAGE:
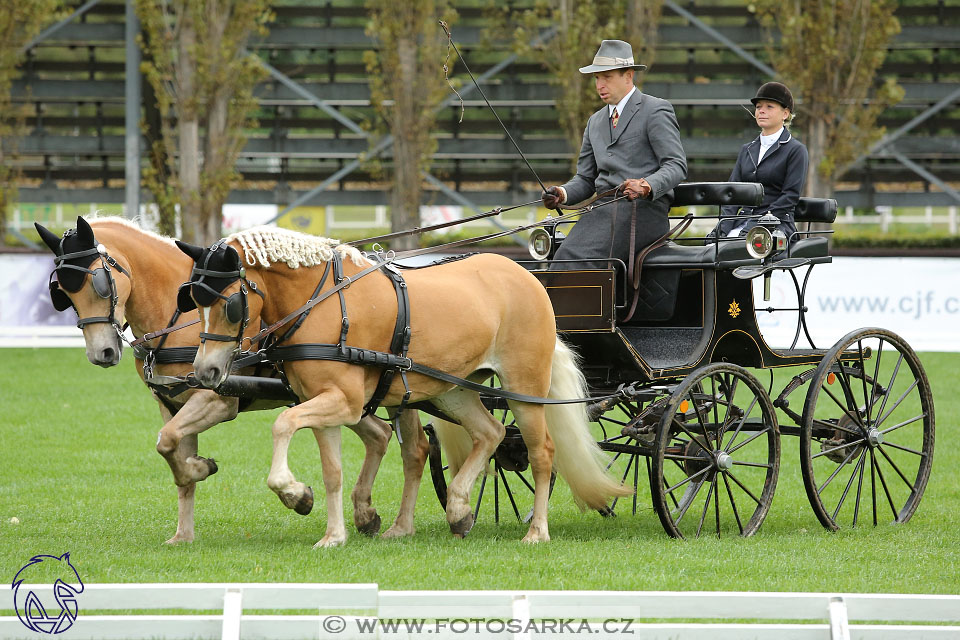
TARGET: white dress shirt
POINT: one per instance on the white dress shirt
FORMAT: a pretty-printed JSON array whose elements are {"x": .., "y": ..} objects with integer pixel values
[
  {"x": 620, "y": 105},
  {"x": 766, "y": 142}
]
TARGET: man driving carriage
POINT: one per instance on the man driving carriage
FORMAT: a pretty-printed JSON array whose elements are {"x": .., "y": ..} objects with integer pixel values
[{"x": 630, "y": 147}]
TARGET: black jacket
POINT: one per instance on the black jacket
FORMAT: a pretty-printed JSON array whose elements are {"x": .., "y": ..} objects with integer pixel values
[{"x": 782, "y": 172}]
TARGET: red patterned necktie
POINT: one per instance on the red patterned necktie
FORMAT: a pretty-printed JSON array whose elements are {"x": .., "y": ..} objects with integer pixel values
[{"x": 615, "y": 117}]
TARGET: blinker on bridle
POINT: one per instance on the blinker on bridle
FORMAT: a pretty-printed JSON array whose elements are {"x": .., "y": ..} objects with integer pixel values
[
  {"x": 102, "y": 279},
  {"x": 236, "y": 307}
]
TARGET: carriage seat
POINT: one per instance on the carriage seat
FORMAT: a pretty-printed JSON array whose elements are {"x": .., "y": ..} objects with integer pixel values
[
  {"x": 822, "y": 210},
  {"x": 726, "y": 253}
]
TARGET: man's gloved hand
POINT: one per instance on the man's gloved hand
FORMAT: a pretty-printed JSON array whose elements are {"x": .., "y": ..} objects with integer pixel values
[
  {"x": 552, "y": 197},
  {"x": 636, "y": 188}
]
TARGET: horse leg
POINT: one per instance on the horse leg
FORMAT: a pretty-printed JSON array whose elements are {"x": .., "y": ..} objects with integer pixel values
[
  {"x": 375, "y": 434},
  {"x": 184, "y": 463},
  {"x": 531, "y": 421},
  {"x": 324, "y": 413},
  {"x": 413, "y": 450},
  {"x": 465, "y": 407},
  {"x": 201, "y": 411},
  {"x": 328, "y": 439}
]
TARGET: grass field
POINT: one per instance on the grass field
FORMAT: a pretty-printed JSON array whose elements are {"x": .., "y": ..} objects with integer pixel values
[{"x": 79, "y": 470}]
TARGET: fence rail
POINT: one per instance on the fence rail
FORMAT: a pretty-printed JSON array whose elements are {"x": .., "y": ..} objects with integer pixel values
[{"x": 364, "y": 611}]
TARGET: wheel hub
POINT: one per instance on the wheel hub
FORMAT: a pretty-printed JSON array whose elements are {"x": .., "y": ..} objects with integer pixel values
[
  {"x": 874, "y": 437},
  {"x": 724, "y": 461}
]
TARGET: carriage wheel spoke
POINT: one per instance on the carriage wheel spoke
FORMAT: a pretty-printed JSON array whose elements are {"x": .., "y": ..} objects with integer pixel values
[
  {"x": 733, "y": 503},
  {"x": 703, "y": 426},
  {"x": 706, "y": 506},
  {"x": 856, "y": 506},
  {"x": 843, "y": 446},
  {"x": 686, "y": 480},
  {"x": 743, "y": 487},
  {"x": 897, "y": 469},
  {"x": 731, "y": 395},
  {"x": 857, "y": 420},
  {"x": 863, "y": 379},
  {"x": 753, "y": 403},
  {"x": 483, "y": 483},
  {"x": 693, "y": 438},
  {"x": 883, "y": 483},
  {"x": 509, "y": 492},
  {"x": 873, "y": 486},
  {"x": 896, "y": 404},
  {"x": 886, "y": 395},
  {"x": 903, "y": 448},
  {"x": 905, "y": 423},
  {"x": 616, "y": 457},
  {"x": 716, "y": 501},
  {"x": 636, "y": 482},
  {"x": 836, "y": 471},
  {"x": 760, "y": 465},
  {"x": 750, "y": 439},
  {"x": 873, "y": 383},
  {"x": 846, "y": 490}
]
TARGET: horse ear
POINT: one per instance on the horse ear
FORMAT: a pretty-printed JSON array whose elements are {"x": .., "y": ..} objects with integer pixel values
[
  {"x": 193, "y": 251},
  {"x": 236, "y": 256},
  {"x": 49, "y": 238},
  {"x": 85, "y": 233}
]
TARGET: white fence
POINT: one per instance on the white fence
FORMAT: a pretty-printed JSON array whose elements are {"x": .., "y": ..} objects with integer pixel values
[{"x": 364, "y": 611}]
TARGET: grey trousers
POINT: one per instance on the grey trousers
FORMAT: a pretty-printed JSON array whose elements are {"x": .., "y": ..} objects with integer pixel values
[{"x": 604, "y": 233}]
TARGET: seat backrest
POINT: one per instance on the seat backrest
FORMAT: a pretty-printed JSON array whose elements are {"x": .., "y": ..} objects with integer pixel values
[
  {"x": 816, "y": 210},
  {"x": 747, "y": 194}
]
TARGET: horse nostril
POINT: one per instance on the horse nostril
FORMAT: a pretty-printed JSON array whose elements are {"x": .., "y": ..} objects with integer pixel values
[
  {"x": 108, "y": 355},
  {"x": 213, "y": 375}
]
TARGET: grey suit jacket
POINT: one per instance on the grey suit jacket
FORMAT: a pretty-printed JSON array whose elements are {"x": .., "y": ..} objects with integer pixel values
[{"x": 645, "y": 144}]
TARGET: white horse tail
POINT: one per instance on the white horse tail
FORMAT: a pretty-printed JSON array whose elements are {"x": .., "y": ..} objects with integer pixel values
[
  {"x": 577, "y": 456},
  {"x": 455, "y": 442}
]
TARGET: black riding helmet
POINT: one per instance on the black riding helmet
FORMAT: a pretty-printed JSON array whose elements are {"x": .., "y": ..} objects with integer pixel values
[{"x": 777, "y": 92}]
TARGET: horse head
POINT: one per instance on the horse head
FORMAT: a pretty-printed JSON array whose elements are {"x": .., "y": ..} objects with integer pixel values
[
  {"x": 218, "y": 289},
  {"x": 66, "y": 586},
  {"x": 86, "y": 279}
]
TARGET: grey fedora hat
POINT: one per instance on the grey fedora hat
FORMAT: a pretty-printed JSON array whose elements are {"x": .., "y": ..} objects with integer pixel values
[{"x": 613, "y": 54}]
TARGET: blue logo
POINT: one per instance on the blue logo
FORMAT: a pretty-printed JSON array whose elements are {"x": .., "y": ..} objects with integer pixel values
[{"x": 66, "y": 588}]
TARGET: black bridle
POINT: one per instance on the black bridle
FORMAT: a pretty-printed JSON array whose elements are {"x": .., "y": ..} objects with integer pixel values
[
  {"x": 102, "y": 279},
  {"x": 236, "y": 309}
]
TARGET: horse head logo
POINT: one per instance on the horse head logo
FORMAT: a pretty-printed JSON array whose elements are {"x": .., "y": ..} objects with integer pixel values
[{"x": 31, "y": 611}]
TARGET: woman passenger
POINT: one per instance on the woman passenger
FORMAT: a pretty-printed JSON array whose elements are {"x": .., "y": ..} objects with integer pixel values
[{"x": 775, "y": 159}]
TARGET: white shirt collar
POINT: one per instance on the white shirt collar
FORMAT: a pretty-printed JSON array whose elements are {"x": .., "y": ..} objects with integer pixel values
[
  {"x": 766, "y": 141},
  {"x": 620, "y": 106}
]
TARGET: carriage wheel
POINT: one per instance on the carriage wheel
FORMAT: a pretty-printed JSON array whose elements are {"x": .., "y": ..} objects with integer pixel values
[
  {"x": 507, "y": 487},
  {"x": 717, "y": 455},
  {"x": 867, "y": 434}
]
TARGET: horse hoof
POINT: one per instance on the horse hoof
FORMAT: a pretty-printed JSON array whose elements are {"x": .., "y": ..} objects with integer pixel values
[
  {"x": 211, "y": 466},
  {"x": 305, "y": 503},
  {"x": 371, "y": 528},
  {"x": 461, "y": 527}
]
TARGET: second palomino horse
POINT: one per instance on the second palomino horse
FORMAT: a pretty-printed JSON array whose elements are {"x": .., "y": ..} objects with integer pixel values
[{"x": 471, "y": 318}]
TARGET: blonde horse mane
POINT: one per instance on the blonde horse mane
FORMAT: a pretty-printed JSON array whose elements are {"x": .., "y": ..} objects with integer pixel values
[
  {"x": 105, "y": 220},
  {"x": 265, "y": 245}
]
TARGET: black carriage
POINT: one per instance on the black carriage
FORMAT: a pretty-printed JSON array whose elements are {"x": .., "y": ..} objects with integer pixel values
[{"x": 703, "y": 427}]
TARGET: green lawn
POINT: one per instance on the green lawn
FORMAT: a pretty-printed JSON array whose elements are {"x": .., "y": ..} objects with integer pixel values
[{"x": 79, "y": 470}]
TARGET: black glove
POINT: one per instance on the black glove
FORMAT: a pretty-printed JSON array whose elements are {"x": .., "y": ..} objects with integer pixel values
[{"x": 552, "y": 197}]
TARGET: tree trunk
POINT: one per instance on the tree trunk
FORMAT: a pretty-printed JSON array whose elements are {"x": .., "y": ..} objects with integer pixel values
[
  {"x": 818, "y": 185},
  {"x": 189, "y": 138},
  {"x": 405, "y": 209}
]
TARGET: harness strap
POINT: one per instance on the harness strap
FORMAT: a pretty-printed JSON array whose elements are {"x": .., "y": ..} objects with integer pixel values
[
  {"x": 372, "y": 358},
  {"x": 398, "y": 345},
  {"x": 303, "y": 316},
  {"x": 636, "y": 265}
]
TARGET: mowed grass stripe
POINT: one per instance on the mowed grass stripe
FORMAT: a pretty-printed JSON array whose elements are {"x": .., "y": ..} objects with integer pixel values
[{"x": 79, "y": 469}]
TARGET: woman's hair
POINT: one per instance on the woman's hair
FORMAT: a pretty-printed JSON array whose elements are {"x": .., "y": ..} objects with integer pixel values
[{"x": 789, "y": 120}]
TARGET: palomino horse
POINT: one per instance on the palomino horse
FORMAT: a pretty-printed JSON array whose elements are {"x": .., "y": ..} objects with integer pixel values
[
  {"x": 135, "y": 279},
  {"x": 470, "y": 318}
]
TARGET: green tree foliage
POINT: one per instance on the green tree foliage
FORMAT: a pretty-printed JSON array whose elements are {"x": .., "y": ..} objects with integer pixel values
[
  {"x": 20, "y": 21},
  {"x": 203, "y": 77},
  {"x": 580, "y": 28},
  {"x": 406, "y": 86},
  {"x": 828, "y": 53}
]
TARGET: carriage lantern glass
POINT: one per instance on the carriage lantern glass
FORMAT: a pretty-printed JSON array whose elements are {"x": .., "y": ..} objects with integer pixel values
[{"x": 539, "y": 244}]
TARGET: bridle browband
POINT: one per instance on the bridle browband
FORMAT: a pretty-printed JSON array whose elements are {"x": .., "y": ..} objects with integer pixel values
[{"x": 102, "y": 279}]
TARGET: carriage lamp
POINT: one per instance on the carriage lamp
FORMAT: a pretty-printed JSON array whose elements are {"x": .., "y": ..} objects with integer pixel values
[
  {"x": 539, "y": 244},
  {"x": 764, "y": 240}
]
